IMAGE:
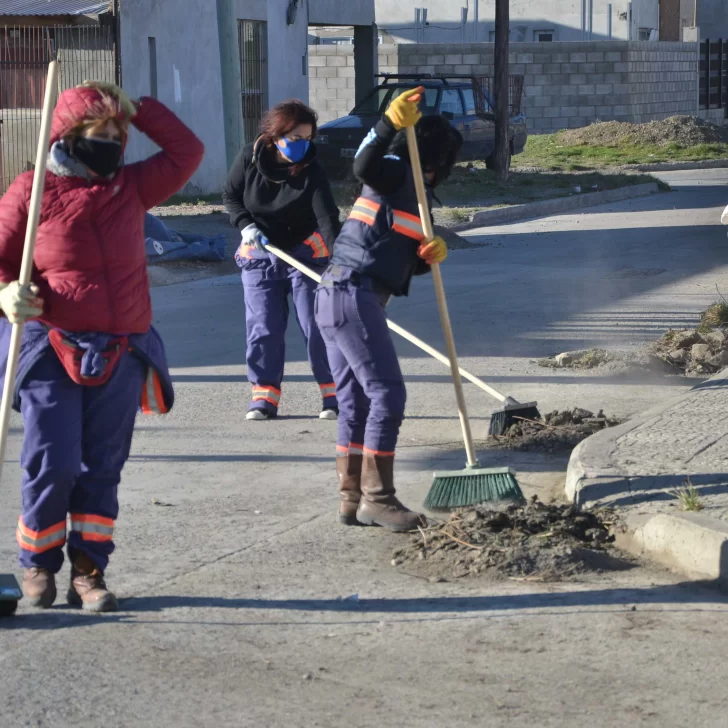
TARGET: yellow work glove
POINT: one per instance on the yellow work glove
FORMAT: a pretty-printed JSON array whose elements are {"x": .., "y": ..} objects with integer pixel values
[
  {"x": 433, "y": 252},
  {"x": 19, "y": 303},
  {"x": 126, "y": 105},
  {"x": 404, "y": 111}
]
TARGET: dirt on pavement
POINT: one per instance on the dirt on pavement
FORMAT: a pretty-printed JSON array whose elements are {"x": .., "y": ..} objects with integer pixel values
[
  {"x": 529, "y": 541},
  {"x": 685, "y": 131},
  {"x": 555, "y": 431}
]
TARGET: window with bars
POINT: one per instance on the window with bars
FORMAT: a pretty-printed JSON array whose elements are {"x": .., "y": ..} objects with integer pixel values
[{"x": 252, "y": 41}]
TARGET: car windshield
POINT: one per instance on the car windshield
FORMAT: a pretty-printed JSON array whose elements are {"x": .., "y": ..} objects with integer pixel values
[{"x": 376, "y": 103}]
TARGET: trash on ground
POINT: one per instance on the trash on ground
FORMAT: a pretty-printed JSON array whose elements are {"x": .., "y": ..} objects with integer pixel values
[
  {"x": 557, "y": 430},
  {"x": 531, "y": 542},
  {"x": 164, "y": 244}
]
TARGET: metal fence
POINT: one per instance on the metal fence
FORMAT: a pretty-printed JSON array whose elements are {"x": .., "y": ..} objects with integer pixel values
[
  {"x": 252, "y": 43},
  {"x": 714, "y": 74},
  {"x": 83, "y": 53}
]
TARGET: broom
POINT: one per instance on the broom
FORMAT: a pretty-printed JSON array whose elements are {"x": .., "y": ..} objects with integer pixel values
[
  {"x": 475, "y": 484},
  {"x": 10, "y": 592}
]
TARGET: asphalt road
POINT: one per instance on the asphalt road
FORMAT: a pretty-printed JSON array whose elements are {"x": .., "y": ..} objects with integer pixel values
[{"x": 234, "y": 575}]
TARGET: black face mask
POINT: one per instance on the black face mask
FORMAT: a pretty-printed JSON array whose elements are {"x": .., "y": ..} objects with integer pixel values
[{"x": 101, "y": 156}]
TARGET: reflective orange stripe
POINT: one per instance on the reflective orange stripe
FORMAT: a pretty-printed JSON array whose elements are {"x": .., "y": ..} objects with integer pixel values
[
  {"x": 381, "y": 453},
  {"x": 317, "y": 244},
  {"x": 328, "y": 390},
  {"x": 342, "y": 450},
  {"x": 245, "y": 251},
  {"x": 409, "y": 225},
  {"x": 356, "y": 449},
  {"x": 92, "y": 528},
  {"x": 266, "y": 394},
  {"x": 364, "y": 211},
  {"x": 152, "y": 395},
  {"x": 39, "y": 542}
]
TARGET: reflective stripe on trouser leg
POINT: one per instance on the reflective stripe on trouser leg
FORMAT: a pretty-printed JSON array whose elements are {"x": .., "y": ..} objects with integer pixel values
[
  {"x": 109, "y": 415},
  {"x": 304, "y": 294},
  {"x": 266, "y": 317},
  {"x": 38, "y": 542},
  {"x": 52, "y": 409}
]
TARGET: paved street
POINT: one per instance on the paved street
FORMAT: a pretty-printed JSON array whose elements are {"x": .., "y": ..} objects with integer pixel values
[{"x": 233, "y": 572}]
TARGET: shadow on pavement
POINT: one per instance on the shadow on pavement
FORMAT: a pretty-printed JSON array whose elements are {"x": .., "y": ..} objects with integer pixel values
[{"x": 659, "y": 488}]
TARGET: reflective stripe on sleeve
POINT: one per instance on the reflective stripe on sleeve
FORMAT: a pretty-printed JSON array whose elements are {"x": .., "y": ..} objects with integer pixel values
[{"x": 409, "y": 225}]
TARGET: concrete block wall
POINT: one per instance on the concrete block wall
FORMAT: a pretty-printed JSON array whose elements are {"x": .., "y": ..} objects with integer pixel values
[
  {"x": 331, "y": 80},
  {"x": 567, "y": 85}
]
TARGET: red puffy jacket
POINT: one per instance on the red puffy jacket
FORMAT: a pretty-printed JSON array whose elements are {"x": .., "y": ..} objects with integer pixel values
[{"x": 90, "y": 261}]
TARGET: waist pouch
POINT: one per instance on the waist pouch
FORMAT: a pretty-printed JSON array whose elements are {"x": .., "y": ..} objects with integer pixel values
[{"x": 89, "y": 360}]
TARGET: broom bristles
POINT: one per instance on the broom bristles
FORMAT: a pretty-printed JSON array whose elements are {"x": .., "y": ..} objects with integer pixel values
[
  {"x": 471, "y": 487},
  {"x": 502, "y": 419}
]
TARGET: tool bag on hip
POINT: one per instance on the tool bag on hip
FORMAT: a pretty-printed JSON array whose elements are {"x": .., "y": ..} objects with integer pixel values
[{"x": 89, "y": 359}]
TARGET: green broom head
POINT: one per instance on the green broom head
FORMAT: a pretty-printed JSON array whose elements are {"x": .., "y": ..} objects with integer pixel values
[
  {"x": 471, "y": 487},
  {"x": 502, "y": 419}
]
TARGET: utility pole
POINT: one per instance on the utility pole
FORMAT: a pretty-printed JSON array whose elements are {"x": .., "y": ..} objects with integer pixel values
[{"x": 501, "y": 90}]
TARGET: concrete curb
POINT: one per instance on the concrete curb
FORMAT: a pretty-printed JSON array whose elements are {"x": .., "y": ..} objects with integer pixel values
[
  {"x": 502, "y": 215},
  {"x": 592, "y": 475},
  {"x": 692, "y": 543},
  {"x": 678, "y": 166}
]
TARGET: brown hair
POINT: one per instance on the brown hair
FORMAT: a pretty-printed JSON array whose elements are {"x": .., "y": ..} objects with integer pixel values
[
  {"x": 285, "y": 117},
  {"x": 96, "y": 125}
]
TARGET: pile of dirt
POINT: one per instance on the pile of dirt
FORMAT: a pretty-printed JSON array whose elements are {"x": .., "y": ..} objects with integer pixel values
[
  {"x": 555, "y": 431},
  {"x": 694, "y": 351},
  {"x": 684, "y": 131},
  {"x": 584, "y": 359},
  {"x": 531, "y": 541}
]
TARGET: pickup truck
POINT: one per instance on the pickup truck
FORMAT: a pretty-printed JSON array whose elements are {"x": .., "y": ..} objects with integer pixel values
[{"x": 469, "y": 111}]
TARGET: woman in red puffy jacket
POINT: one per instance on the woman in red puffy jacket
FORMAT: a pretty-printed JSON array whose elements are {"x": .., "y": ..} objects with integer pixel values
[{"x": 90, "y": 357}]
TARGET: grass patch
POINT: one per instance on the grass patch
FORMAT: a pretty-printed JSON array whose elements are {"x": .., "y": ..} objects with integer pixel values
[
  {"x": 689, "y": 497},
  {"x": 715, "y": 315},
  {"x": 552, "y": 151}
]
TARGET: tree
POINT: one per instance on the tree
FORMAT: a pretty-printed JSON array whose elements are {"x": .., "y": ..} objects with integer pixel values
[{"x": 500, "y": 90}]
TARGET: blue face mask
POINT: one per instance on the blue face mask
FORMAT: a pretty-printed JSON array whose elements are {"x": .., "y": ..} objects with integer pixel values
[{"x": 294, "y": 152}]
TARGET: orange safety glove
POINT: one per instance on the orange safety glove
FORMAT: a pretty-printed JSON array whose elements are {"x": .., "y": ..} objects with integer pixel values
[
  {"x": 433, "y": 252},
  {"x": 404, "y": 111}
]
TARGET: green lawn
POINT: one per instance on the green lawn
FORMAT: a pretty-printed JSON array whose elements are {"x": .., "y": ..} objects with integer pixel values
[{"x": 548, "y": 152}]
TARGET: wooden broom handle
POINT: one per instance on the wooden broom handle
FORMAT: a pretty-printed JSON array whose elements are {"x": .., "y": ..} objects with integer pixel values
[
  {"x": 434, "y": 353},
  {"x": 424, "y": 206},
  {"x": 26, "y": 266}
]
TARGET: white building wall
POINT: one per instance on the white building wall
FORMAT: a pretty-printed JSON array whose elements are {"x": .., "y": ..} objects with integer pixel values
[
  {"x": 564, "y": 17},
  {"x": 188, "y": 75}
]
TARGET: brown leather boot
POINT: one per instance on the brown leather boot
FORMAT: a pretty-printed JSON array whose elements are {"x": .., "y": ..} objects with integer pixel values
[
  {"x": 379, "y": 505},
  {"x": 348, "y": 468},
  {"x": 88, "y": 589},
  {"x": 39, "y": 587}
]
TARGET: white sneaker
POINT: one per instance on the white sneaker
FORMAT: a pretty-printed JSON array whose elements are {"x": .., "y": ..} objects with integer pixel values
[
  {"x": 258, "y": 414},
  {"x": 329, "y": 414},
  {"x": 724, "y": 216}
]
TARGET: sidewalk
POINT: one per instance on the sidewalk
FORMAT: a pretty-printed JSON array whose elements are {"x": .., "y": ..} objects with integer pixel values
[{"x": 638, "y": 465}]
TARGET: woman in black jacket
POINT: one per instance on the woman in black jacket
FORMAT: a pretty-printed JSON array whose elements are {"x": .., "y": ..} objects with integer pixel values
[{"x": 276, "y": 192}]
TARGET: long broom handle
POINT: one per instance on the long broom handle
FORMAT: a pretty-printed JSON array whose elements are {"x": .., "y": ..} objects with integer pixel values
[
  {"x": 434, "y": 353},
  {"x": 424, "y": 206},
  {"x": 26, "y": 266}
]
